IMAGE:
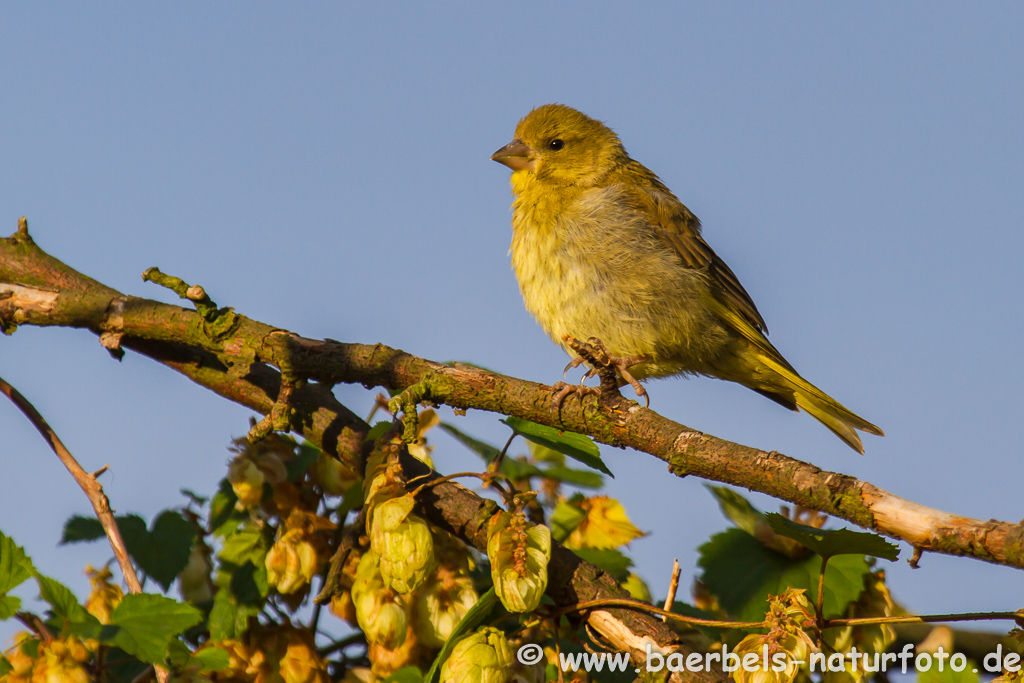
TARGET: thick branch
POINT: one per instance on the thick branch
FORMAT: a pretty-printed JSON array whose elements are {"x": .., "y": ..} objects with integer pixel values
[
  {"x": 233, "y": 368},
  {"x": 233, "y": 365}
]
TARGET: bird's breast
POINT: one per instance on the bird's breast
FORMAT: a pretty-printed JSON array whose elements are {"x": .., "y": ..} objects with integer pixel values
[{"x": 593, "y": 267}]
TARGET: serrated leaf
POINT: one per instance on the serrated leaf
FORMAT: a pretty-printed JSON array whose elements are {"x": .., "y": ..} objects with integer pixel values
[
  {"x": 737, "y": 508},
  {"x": 564, "y": 518},
  {"x": 832, "y": 542},
  {"x": 148, "y": 622},
  {"x": 742, "y": 573},
  {"x": 93, "y": 630},
  {"x": 577, "y": 446},
  {"x": 409, "y": 674},
  {"x": 610, "y": 560},
  {"x": 15, "y": 565},
  {"x": 474, "y": 617},
  {"x": 9, "y": 605},
  {"x": 248, "y": 544},
  {"x": 63, "y": 602},
  {"x": 228, "y": 619},
  {"x": 164, "y": 550},
  {"x": 211, "y": 658},
  {"x": 583, "y": 479},
  {"x": 79, "y": 528},
  {"x": 486, "y": 451}
]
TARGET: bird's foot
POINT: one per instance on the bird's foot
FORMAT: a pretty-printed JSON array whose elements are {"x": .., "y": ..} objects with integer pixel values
[
  {"x": 610, "y": 368},
  {"x": 562, "y": 390}
]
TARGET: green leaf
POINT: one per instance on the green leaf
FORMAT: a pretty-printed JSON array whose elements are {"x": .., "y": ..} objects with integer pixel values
[
  {"x": 249, "y": 584},
  {"x": 737, "y": 508},
  {"x": 831, "y": 542},
  {"x": 303, "y": 460},
  {"x": 161, "y": 553},
  {"x": 15, "y": 565},
  {"x": 64, "y": 603},
  {"x": 93, "y": 630},
  {"x": 948, "y": 675},
  {"x": 742, "y": 573},
  {"x": 564, "y": 518},
  {"x": 474, "y": 617},
  {"x": 610, "y": 560},
  {"x": 164, "y": 551},
  {"x": 9, "y": 605},
  {"x": 149, "y": 622},
  {"x": 5, "y": 666},
  {"x": 228, "y": 618},
  {"x": 486, "y": 451},
  {"x": 222, "y": 509},
  {"x": 211, "y": 658},
  {"x": 79, "y": 528},
  {"x": 583, "y": 479},
  {"x": 248, "y": 544},
  {"x": 178, "y": 654},
  {"x": 577, "y": 446},
  {"x": 516, "y": 469},
  {"x": 121, "y": 667},
  {"x": 409, "y": 674}
]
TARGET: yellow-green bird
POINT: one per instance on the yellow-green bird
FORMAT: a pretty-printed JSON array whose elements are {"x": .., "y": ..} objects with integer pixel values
[{"x": 602, "y": 248}]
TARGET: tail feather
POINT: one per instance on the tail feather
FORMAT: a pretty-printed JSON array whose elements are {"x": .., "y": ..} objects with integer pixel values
[
  {"x": 763, "y": 369},
  {"x": 843, "y": 422}
]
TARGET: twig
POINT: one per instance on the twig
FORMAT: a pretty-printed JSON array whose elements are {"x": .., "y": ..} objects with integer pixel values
[
  {"x": 673, "y": 586},
  {"x": 90, "y": 485}
]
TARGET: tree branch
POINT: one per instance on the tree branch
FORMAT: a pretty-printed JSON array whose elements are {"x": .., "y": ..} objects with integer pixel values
[{"x": 37, "y": 289}]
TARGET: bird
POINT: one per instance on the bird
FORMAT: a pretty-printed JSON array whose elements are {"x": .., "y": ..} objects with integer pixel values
[{"x": 603, "y": 250}]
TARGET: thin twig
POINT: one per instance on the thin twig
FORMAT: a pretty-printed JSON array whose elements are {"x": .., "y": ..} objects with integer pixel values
[
  {"x": 673, "y": 586},
  {"x": 92, "y": 488},
  {"x": 828, "y": 623},
  {"x": 495, "y": 464}
]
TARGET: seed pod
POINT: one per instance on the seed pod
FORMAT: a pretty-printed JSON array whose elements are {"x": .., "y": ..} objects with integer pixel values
[
  {"x": 403, "y": 543},
  {"x": 381, "y": 613},
  {"x": 481, "y": 657},
  {"x": 519, "y": 554}
]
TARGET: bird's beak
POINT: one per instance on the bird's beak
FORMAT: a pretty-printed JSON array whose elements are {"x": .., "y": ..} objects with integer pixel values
[{"x": 517, "y": 155}]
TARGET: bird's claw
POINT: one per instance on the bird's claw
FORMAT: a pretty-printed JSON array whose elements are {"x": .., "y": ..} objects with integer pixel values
[
  {"x": 573, "y": 364},
  {"x": 622, "y": 366},
  {"x": 562, "y": 390},
  {"x": 597, "y": 354}
]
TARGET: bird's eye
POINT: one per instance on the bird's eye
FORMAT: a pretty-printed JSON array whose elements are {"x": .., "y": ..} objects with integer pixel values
[{"x": 556, "y": 144}]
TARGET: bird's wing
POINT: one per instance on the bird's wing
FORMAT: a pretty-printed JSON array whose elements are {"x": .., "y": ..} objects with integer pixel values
[{"x": 680, "y": 230}]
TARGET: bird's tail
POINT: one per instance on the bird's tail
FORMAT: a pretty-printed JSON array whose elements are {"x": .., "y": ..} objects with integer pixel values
[
  {"x": 842, "y": 421},
  {"x": 763, "y": 369}
]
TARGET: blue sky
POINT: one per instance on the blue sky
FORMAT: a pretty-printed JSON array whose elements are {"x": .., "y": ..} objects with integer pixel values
[{"x": 324, "y": 168}]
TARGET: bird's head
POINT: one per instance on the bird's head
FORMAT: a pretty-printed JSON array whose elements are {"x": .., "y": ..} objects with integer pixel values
[{"x": 560, "y": 145}]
